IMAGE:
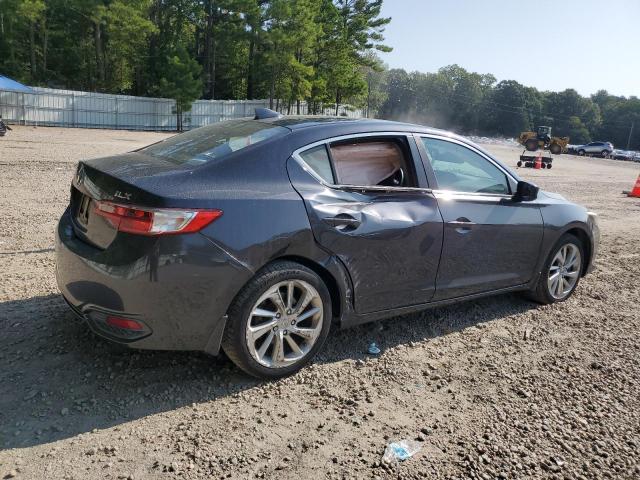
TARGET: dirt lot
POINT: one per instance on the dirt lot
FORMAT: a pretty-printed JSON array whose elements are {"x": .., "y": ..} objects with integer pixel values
[{"x": 498, "y": 388}]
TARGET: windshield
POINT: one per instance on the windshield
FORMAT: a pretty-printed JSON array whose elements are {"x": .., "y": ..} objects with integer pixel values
[{"x": 213, "y": 142}]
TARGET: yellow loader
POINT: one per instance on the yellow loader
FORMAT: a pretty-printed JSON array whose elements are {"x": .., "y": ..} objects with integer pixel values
[{"x": 542, "y": 139}]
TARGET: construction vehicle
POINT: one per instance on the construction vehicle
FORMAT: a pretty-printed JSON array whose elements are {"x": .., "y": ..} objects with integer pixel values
[{"x": 542, "y": 139}]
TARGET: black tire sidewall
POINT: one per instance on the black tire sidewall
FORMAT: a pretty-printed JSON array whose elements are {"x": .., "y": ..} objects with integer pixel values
[
  {"x": 543, "y": 287},
  {"x": 235, "y": 345}
]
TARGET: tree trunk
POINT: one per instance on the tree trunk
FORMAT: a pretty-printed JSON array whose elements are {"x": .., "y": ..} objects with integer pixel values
[
  {"x": 298, "y": 107},
  {"x": 208, "y": 52},
  {"x": 252, "y": 46},
  {"x": 32, "y": 49},
  {"x": 214, "y": 59},
  {"x": 272, "y": 88},
  {"x": 337, "y": 100},
  {"x": 97, "y": 36},
  {"x": 45, "y": 41}
]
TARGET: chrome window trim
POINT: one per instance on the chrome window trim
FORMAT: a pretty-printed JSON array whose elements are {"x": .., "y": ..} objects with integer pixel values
[
  {"x": 506, "y": 173},
  {"x": 296, "y": 155}
]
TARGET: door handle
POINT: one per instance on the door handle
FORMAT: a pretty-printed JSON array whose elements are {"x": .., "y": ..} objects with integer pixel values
[
  {"x": 343, "y": 221},
  {"x": 462, "y": 225}
]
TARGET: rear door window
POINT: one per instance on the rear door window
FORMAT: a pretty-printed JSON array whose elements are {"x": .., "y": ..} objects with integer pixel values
[{"x": 363, "y": 162}]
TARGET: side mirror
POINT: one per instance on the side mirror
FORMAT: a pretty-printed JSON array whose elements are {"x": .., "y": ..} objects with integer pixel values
[{"x": 526, "y": 192}]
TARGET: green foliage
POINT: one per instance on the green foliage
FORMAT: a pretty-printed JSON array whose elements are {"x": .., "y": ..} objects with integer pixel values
[
  {"x": 454, "y": 98},
  {"x": 320, "y": 51},
  {"x": 285, "y": 50},
  {"x": 181, "y": 79}
]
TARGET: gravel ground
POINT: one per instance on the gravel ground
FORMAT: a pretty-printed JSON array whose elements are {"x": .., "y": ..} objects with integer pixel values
[{"x": 497, "y": 388}]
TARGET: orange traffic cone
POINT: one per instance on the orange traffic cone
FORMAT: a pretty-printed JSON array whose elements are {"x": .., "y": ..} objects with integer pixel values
[
  {"x": 635, "y": 191},
  {"x": 537, "y": 164}
]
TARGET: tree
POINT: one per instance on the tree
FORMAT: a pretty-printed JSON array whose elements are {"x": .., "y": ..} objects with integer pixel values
[
  {"x": 181, "y": 81},
  {"x": 506, "y": 109}
]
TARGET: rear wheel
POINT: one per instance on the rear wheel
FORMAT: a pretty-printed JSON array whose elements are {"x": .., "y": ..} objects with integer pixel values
[
  {"x": 581, "y": 153},
  {"x": 561, "y": 273},
  {"x": 605, "y": 153},
  {"x": 279, "y": 321},
  {"x": 555, "y": 149},
  {"x": 519, "y": 163}
]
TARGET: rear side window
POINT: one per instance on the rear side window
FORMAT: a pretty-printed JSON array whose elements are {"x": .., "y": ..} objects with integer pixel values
[
  {"x": 318, "y": 159},
  {"x": 213, "y": 142},
  {"x": 460, "y": 169},
  {"x": 363, "y": 162}
]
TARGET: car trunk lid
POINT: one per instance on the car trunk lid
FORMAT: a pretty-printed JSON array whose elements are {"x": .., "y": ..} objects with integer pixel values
[{"x": 129, "y": 179}]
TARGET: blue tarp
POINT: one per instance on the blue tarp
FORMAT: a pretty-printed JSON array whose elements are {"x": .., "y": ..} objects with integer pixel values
[{"x": 7, "y": 84}]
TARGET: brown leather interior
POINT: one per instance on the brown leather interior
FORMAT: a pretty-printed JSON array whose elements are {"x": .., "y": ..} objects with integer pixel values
[{"x": 366, "y": 163}]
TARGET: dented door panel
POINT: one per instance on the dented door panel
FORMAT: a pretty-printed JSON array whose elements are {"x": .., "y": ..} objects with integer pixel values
[{"x": 389, "y": 239}]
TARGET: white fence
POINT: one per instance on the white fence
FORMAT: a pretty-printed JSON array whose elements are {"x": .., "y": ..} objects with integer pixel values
[{"x": 67, "y": 108}]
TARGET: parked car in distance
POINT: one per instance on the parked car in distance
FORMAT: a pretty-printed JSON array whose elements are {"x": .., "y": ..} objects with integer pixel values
[
  {"x": 603, "y": 149},
  {"x": 256, "y": 236},
  {"x": 623, "y": 155}
]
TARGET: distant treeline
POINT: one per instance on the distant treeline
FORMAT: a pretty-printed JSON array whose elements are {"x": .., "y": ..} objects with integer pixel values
[
  {"x": 320, "y": 51},
  {"x": 473, "y": 103}
]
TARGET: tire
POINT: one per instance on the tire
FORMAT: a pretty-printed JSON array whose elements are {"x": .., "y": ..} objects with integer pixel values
[
  {"x": 555, "y": 149},
  {"x": 549, "y": 165},
  {"x": 273, "y": 281},
  {"x": 546, "y": 291},
  {"x": 581, "y": 153},
  {"x": 531, "y": 145},
  {"x": 519, "y": 163},
  {"x": 605, "y": 153}
]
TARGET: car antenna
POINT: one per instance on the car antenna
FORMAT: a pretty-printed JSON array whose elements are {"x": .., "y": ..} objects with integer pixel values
[{"x": 262, "y": 113}]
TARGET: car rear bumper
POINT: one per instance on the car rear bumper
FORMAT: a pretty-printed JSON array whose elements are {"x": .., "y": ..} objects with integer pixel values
[{"x": 177, "y": 291}]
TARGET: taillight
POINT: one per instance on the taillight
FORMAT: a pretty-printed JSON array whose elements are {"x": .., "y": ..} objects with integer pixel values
[
  {"x": 124, "y": 323},
  {"x": 155, "y": 221}
]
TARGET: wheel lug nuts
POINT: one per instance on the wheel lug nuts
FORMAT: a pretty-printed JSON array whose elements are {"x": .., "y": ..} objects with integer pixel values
[
  {"x": 288, "y": 312},
  {"x": 275, "y": 329},
  {"x": 277, "y": 315},
  {"x": 293, "y": 322},
  {"x": 285, "y": 332}
]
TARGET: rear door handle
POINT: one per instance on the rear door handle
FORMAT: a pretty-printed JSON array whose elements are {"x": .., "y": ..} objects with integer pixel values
[
  {"x": 343, "y": 221},
  {"x": 462, "y": 225}
]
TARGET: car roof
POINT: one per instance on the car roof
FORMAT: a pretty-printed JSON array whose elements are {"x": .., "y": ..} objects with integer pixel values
[{"x": 303, "y": 124}]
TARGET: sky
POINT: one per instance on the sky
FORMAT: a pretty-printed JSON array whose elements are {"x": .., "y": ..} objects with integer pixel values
[{"x": 587, "y": 45}]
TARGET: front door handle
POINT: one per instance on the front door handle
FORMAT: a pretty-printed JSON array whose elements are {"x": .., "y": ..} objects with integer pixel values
[
  {"x": 343, "y": 221},
  {"x": 462, "y": 225}
]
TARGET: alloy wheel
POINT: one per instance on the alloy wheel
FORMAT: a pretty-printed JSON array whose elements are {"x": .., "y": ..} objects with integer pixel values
[
  {"x": 284, "y": 324},
  {"x": 564, "y": 271}
]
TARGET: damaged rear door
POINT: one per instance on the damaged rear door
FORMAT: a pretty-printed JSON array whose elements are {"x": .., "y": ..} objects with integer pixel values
[{"x": 369, "y": 205}]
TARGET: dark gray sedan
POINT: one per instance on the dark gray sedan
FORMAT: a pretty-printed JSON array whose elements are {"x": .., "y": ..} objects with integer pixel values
[{"x": 256, "y": 235}]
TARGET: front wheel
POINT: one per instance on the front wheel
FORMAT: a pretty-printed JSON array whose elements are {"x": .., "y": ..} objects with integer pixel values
[
  {"x": 561, "y": 273},
  {"x": 279, "y": 321},
  {"x": 555, "y": 149},
  {"x": 605, "y": 153},
  {"x": 581, "y": 153}
]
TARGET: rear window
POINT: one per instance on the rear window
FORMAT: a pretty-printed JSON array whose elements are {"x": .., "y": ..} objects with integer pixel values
[{"x": 213, "y": 142}]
